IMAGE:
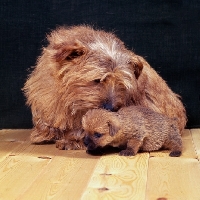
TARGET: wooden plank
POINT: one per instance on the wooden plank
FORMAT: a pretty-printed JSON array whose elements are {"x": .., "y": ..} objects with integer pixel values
[
  {"x": 16, "y": 142},
  {"x": 188, "y": 147},
  {"x": 11, "y": 140},
  {"x": 173, "y": 178},
  {"x": 6, "y": 149},
  {"x": 18, "y": 174},
  {"x": 43, "y": 172},
  {"x": 22, "y": 166},
  {"x": 188, "y": 150},
  {"x": 186, "y": 134},
  {"x": 14, "y": 135},
  {"x": 18, "y": 171},
  {"x": 118, "y": 177},
  {"x": 65, "y": 177},
  {"x": 196, "y": 141}
]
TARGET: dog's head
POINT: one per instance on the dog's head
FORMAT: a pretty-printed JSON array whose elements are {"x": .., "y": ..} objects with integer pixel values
[
  {"x": 82, "y": 69},
  {"x": 100, "y": 127},
  {"x": 94, "y": 67}
]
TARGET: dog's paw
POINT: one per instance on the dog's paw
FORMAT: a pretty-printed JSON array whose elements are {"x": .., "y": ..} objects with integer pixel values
[
  {"x": 60, "y": 144},
  {"x": 69, "y": 145},
  {"x": 76, "y": 145},
  {"x": 175, "y": 153},
  {"x": 127, "y": 152}
]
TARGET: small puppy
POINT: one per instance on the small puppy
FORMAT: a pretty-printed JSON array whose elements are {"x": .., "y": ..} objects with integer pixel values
[{"x": 133, "y": 128}]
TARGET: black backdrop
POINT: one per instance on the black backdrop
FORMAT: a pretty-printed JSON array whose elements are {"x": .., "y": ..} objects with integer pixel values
[{"x": 165, "y": 32}]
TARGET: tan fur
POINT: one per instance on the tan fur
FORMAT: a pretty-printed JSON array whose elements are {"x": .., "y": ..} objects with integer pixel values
[
  {"x": 132, "y": 128},
  {"x": 81, "y": 69}
]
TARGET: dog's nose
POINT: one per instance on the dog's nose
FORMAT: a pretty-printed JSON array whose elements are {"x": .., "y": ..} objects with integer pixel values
[{"x": 108, "y": 106}]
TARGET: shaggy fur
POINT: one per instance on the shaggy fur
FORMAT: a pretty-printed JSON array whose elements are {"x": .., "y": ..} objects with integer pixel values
[
  {"x": 132, "y": 128},
  {"x": 82, "y": 69}
]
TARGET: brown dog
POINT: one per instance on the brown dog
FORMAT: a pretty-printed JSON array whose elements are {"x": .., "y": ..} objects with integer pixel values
[
  {"x": 132, "y": 128},
  {"x": 83, "y": 69}
]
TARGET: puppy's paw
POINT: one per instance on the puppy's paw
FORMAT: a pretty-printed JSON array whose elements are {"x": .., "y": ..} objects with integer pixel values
[
  {"x": 175, "y": 153},
  {"x": 127, "y": 152}
]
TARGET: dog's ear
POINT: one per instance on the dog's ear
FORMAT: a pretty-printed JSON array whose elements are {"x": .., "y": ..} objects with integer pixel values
[
  {"x": 114, "y": 127},
  {"x": 69, "y": 51},
  {"x": 138, "y": 66}
]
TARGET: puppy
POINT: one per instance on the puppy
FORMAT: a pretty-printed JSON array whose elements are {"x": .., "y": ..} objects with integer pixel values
[
  {"x": 133, "y": 128},
  {"x": 82, "y": 68}
]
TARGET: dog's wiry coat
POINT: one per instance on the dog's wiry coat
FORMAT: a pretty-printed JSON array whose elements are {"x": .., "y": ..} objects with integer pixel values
[
  {"x": 132, "y": 128},
  {"x": 82, "y": 69}
]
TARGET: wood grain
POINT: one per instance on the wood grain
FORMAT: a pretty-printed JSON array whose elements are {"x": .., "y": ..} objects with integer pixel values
[
  {"x": 173, "y": 178},
  {"x": 118, "y": 177},
  {"x": 65, "y": 177},
  {"x": 15, "y": 135},
  {"x": 18, "y": 171}
]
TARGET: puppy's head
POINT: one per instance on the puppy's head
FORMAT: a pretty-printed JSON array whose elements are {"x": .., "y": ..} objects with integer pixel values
[{"x": 100, "y": 128}]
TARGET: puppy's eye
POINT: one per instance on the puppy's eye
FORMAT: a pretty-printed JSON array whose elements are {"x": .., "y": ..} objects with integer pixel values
[
  {"x": 97, "y": 135},
  {"x": 97, "y": 81}
]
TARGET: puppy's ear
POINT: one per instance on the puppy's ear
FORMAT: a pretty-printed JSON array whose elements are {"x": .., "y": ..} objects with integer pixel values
[
  {"x": 114, "y": 127},
  {"x": 138, "y": 66},
  {"x": 69, "y": 51}
]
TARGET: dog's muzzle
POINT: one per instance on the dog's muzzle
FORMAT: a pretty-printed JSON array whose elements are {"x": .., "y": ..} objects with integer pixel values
[
  {"x": 110, "y": 107},
  {"x": 89, "y": 143}
]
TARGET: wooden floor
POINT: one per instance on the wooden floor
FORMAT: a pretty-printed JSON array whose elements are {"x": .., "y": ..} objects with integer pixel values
[{"x": 43, "y": 172}]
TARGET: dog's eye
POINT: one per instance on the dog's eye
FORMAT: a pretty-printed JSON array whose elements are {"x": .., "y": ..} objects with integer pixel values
[
  {"x": 74, "y": 54},
  {"x": 97, "y": 135},
  {"x": 128, "y": 62},
  {"x": 97, "y": 81}
]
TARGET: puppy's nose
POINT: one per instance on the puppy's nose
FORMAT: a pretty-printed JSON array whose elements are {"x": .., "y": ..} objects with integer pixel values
[{"x": 86, "y": 141}]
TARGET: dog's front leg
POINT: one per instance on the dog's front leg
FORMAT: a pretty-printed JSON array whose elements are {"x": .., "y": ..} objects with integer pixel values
[{"x": 43, "y": 133}]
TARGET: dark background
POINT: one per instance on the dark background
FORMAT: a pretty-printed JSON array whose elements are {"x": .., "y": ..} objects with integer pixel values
[{"x": 165, "y": 32}]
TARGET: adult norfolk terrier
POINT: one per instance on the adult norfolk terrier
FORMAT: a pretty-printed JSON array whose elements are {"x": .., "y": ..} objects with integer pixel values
[
  {"x": 82, "y": 69},
  {"x": 132, "y": 128}
]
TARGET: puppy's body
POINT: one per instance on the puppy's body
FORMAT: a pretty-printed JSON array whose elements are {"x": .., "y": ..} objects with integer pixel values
[
  {"x": 137, "y": 128},
  {"x": 83, "y": 69}
]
